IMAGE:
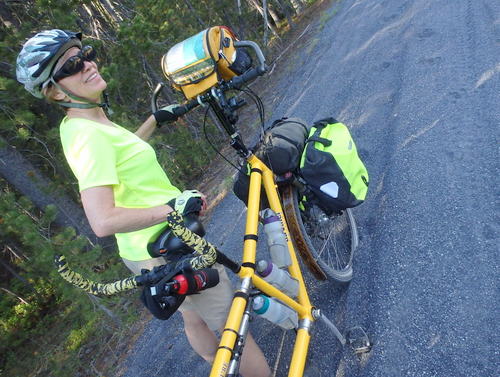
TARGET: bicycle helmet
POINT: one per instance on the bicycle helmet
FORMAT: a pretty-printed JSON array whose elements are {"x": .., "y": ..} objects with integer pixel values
[{"x": 39, "y": 55}]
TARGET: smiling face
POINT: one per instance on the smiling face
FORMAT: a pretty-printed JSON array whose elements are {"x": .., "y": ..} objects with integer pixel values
[{"x": 87, "y": 83}]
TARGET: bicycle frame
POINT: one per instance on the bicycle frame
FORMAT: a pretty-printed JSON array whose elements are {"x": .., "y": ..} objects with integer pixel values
[
  {"x": 236, "y": 327},
  {"x": 261, "y": 174}
]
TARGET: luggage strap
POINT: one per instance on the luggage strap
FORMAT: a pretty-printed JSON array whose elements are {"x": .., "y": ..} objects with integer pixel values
[
  {"x": 293, "y": 142},
  {"x": 320, "y": 124},
  {"x": 289, "y": 120}
]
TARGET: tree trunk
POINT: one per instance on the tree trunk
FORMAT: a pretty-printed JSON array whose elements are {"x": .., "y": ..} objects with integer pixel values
[
  {"x": 13, "y": 294},
  {"x": 220, "y": 11},
  {"x": 298, "y": 5},
  {"x": 272, "y": 12},
  {"x": 286, "y": 11},
  {"x": 155, "y": 79},
  {"x": 15, "y": 274},
  {"x": 266, "y": 22},
  {"x": 195, "y": 13},
  {"x": 256, "y": 6},
  {"x": 242, "y": 24},
  {"x": 21, "y": 174}
]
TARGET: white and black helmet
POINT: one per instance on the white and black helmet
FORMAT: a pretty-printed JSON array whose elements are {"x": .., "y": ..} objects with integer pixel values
[{"x": 39, "y": 55}]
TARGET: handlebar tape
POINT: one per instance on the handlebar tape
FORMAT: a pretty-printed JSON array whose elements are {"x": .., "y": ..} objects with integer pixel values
[
  {"x": 238, "y": 81},
  {"x": 207, "y": 252},
  {"x": 90, "y": 286},
  {"x": 207, "y": 256},
  {"x": 183, "y": 109}
]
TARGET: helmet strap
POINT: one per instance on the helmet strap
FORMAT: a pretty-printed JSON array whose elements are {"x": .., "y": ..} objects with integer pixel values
[{"x": 87, "y": 104}]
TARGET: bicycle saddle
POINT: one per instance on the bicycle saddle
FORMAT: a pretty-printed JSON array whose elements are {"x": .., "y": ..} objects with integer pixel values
[{"x": 172, "y": 247}]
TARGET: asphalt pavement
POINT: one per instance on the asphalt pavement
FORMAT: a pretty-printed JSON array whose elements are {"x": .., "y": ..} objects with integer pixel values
[{"x": 418, "y": 84}]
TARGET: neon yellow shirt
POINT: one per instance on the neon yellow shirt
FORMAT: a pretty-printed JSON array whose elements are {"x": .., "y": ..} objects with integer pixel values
[{"x": 101, "y": 155}]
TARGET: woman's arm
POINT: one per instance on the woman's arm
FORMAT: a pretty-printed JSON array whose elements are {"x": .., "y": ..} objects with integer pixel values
[
  {"x": 147, "y": 128},
  {"x": 105, "y": 219}
]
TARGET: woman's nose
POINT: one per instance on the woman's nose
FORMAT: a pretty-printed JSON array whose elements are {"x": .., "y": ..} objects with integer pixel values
[{"x": 86, "y": 65}]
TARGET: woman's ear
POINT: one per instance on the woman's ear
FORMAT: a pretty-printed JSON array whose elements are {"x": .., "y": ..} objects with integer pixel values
[
  {"x": 52, "y": 93},
  {"x": 57, "y": 94}
]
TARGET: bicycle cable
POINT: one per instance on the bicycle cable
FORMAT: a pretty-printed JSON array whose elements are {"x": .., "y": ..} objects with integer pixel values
[
  {"x": 260, "y": 106},
  {"x": 210, "y": 143},
  {"x": 260, "y": 109}
]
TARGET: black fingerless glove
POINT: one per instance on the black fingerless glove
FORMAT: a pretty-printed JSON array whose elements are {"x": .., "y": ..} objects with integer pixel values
[{"x": 165, "y": 115}]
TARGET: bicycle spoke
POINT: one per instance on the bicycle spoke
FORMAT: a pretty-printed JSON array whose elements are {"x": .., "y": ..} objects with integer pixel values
[{"x": 330, "y": 239}]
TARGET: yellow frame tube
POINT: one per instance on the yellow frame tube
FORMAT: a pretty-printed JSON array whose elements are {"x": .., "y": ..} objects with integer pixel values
[
  {"x": 262, "y": 175},
  {"x": 274, "y": 201},
  {"x": 300, "y": 350},
  {"x": 228, "y": 339}
]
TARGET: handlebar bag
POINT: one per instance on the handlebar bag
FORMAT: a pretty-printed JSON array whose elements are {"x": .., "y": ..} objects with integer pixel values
[
  {"x": 162, "y": 307},
  {"x": 195, "y": 65},
  {"x": 331, "y": 167}
]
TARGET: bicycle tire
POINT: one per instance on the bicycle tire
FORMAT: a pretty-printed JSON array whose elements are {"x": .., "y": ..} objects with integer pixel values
[{"x": 326, "y": 244}]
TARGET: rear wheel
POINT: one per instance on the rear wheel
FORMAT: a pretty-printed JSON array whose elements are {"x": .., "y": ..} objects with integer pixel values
[{"x": 325, "y": 243}]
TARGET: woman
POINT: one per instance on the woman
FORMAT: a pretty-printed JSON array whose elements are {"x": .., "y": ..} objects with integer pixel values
[{"x": 122, "y": 186}]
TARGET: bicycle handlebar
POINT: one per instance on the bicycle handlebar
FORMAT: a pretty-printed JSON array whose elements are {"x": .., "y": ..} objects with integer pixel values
[
  {"x": 91, "y": 286},
  {"x": 207, "y": 256},
  {"x": 235, "y": 83}
]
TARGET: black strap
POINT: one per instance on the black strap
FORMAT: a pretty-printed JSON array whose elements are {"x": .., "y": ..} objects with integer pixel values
[
  {"x": 243, "y": 295},
  {"x": 322, "y": 140},
  {"x": 322, "y": 123},
  {"x": 251, "y": 237},
  {"x": 229, "y": 263},
  {"x": 227, "y": 348},
  {"x": 255, "y": 170},
  {"x": 289, "y": 120},
  {"x": 231, "y": 330},
  {"x": 248, "y": 264},
  {"x": 293, "y": 142}
]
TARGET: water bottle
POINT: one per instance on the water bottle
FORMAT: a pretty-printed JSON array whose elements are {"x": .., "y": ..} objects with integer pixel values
[
  {"x": 276, "y": 238},
  {"x": 281, "y": 279},
  {"x": 275, "y": 312}
]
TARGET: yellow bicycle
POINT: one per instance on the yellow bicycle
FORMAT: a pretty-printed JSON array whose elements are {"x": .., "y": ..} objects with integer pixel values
[{"x": 325, "y": 243}]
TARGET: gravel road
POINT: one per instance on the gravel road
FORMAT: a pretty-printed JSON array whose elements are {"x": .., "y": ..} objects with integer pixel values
[{"x": 418, "y": 83}]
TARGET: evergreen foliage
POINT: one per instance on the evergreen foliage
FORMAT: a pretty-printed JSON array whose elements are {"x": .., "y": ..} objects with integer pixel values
[{"x": 47, "y": 327}]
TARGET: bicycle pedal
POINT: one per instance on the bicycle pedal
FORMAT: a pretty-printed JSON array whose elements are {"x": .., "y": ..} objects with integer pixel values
[{"x": 358, "y": 340}]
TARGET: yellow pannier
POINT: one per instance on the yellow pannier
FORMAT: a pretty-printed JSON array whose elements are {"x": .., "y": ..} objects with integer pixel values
[{"x": 198, "y": 63}]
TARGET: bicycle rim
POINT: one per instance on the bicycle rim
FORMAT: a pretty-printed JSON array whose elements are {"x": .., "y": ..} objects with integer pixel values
[{"x": 331, "y": 239}]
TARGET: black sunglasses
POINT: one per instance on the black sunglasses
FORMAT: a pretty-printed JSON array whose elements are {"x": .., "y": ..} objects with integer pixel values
[{"x": 75, "y": 63}]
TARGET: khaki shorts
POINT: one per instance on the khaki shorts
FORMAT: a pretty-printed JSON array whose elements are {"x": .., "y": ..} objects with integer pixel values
[{"x": 212, "y": 305}]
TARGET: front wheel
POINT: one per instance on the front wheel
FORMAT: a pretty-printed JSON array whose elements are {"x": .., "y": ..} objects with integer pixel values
[{"x": 325, "y": 243}]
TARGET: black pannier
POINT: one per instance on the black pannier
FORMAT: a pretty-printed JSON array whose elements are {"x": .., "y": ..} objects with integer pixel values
[
  {"x": 280, "y": 149},
  {"x": 283, "y": 143}
]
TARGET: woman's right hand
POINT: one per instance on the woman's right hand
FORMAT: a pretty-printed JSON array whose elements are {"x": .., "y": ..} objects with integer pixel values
[{"x": 166, "y": 114}]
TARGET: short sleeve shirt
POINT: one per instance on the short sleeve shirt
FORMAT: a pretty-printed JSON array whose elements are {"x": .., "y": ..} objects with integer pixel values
[{"x": 102, "y": 155}]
